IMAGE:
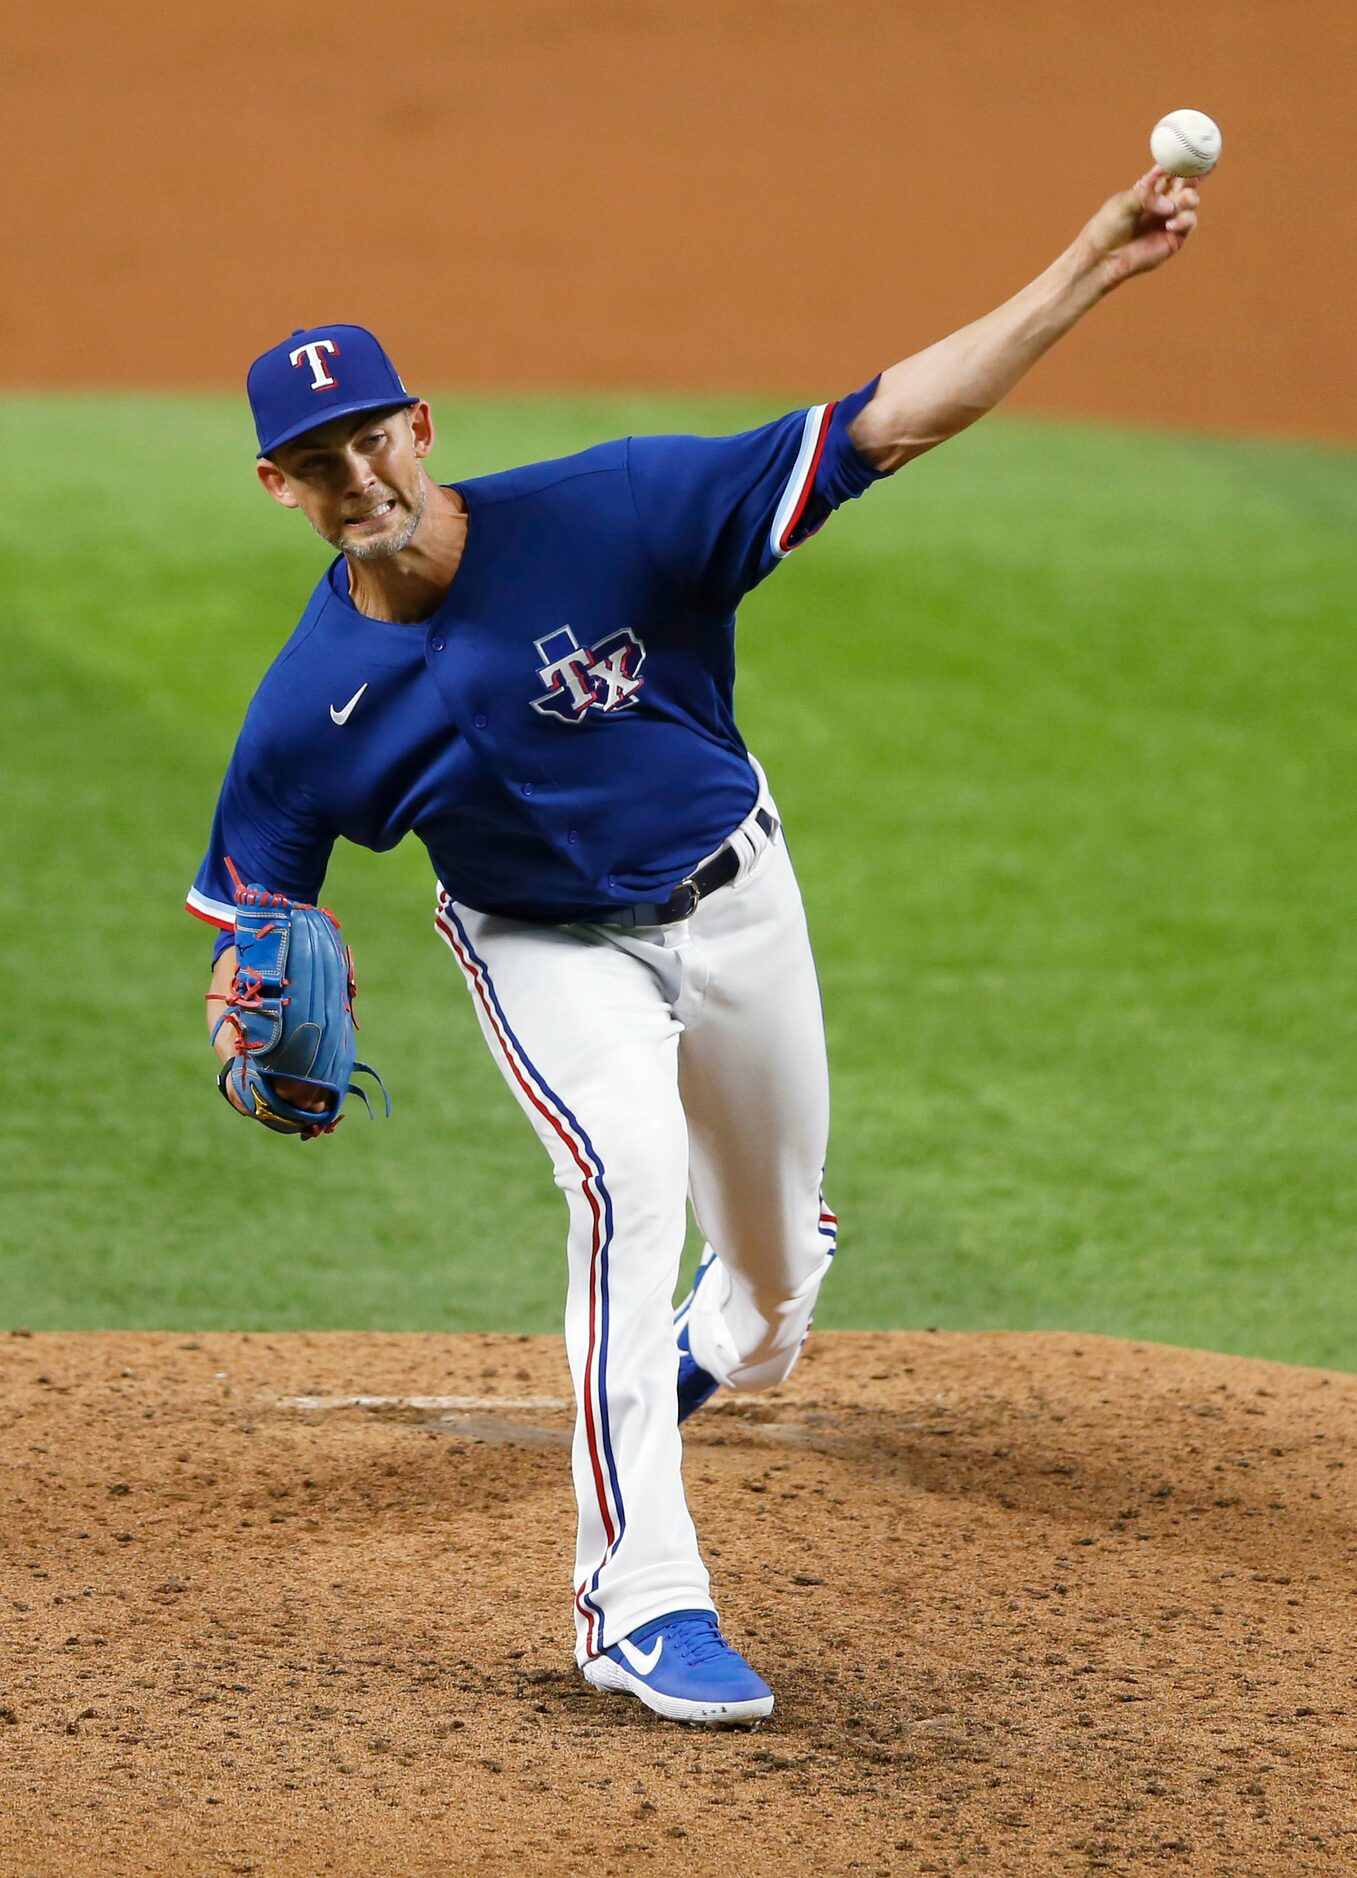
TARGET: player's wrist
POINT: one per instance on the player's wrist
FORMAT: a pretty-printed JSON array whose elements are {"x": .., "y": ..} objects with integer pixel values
[
  {"x": 1082, "y": 273},
  {"x": 227, "y": 1087}
]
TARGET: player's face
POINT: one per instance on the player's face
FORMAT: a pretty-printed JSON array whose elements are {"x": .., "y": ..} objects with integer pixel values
[{"x": 359, "y": 481}]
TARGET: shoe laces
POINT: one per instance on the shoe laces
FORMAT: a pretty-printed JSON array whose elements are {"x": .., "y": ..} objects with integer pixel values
[{"x": 698, "y": 1639}]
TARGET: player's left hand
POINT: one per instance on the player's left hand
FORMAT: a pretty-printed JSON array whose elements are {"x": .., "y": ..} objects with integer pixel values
[
  {"x": 286, "y": 1032},
  {"x": 1142, "y": 227}
]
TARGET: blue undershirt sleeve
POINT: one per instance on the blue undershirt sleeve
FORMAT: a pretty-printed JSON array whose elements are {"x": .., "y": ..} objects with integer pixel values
[{"x": 718, "y": 514}]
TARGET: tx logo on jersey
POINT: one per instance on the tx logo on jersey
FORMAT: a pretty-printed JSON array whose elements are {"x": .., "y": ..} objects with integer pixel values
[{"x": 579, "y": 679}]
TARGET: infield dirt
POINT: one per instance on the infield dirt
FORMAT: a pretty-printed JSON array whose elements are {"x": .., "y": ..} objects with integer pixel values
[{"x": 1030, "y": 1603}]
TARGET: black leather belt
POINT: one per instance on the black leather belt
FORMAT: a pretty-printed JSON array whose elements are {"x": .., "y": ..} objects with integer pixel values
[{"x": 719, "y": 871}]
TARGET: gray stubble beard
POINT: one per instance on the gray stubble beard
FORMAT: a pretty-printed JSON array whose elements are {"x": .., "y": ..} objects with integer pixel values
[{"x": 379, "y": 550}]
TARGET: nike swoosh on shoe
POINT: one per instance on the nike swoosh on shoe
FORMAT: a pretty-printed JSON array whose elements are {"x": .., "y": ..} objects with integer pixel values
[{"x": 642, "y": 1661}]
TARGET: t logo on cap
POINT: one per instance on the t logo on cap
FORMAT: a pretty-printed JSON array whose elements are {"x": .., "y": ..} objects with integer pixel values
[{"x": 320, "y": 378}]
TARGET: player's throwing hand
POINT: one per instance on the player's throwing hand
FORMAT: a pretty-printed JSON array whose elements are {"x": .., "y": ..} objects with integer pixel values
[{"x": 1142, "y": 227}]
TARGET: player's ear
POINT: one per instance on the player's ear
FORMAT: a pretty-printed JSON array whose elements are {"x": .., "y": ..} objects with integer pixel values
[
  {"x": 276, "y": 483},
  {"x": 421, "y": 428}
]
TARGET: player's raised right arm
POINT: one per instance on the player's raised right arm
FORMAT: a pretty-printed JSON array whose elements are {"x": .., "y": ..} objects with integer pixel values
[{"x": 934, "y": 394}]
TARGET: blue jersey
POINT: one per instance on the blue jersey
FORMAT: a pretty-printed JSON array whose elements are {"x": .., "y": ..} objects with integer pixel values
[{"x": 559, "y": 733}]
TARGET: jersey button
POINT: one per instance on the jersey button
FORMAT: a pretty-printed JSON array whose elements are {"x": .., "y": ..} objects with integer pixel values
[
  {"x": 574, "y": 835},
  {"x": 480, "y": 720},
  {"x": 527, "y": 789},
  {"x": 436, "y": 645}
]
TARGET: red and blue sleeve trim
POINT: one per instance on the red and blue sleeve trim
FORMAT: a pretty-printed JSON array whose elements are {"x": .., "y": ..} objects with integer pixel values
[
  {"x": 218, "y": 913},
  {"x": 801, "y": 482}
]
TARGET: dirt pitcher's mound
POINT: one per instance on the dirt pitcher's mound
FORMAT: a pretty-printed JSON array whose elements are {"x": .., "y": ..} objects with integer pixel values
[{"x": 299, "y": 1604}]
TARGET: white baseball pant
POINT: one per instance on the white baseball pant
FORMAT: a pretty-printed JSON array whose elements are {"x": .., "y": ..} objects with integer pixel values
[{"x": 657, "y": 1065}]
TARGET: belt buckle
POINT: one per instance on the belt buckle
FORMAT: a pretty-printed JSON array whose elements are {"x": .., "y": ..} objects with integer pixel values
[{"x": 691, "y": 893}]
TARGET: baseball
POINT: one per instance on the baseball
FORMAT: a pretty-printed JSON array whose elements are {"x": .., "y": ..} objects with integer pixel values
[{"x": 1185, "y": 143}]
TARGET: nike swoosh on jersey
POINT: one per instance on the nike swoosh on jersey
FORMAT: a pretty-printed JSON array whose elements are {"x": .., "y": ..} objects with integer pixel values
[
  {"x": 342, "y": 717},
  {"x": 642, "y": 1661}
]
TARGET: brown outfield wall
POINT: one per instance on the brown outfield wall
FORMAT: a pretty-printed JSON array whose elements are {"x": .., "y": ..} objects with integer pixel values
[{"x": 683, "y": 193}]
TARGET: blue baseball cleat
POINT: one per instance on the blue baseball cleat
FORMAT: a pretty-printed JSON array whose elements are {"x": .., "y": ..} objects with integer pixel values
[
  {"x": 682, "y": 1667},
  {"x": 695, "y": 1384}
]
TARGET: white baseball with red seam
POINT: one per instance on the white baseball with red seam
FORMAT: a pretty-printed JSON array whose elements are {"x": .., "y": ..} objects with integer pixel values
[{"x": 1185, "y": 143}]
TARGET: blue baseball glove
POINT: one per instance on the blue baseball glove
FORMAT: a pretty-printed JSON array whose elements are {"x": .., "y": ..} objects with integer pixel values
[{"x": 291, "y": 1007}]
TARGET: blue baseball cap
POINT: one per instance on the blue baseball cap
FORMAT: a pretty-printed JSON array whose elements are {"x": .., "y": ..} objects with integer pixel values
[{"x": 318, "y": 373}]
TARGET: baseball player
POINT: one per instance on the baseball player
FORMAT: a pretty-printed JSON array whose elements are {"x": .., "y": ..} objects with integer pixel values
[{"x": 533, "y": 671}]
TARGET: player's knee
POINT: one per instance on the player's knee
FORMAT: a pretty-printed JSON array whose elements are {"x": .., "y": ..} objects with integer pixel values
[
  {"x": 641, "y": 1205},
  {"x": 754, "y": 1340},
  {"x": 769, "y": 1365}
]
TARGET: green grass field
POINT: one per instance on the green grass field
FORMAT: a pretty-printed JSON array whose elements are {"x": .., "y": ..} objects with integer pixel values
[{"x": 1062, "y": 725}]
